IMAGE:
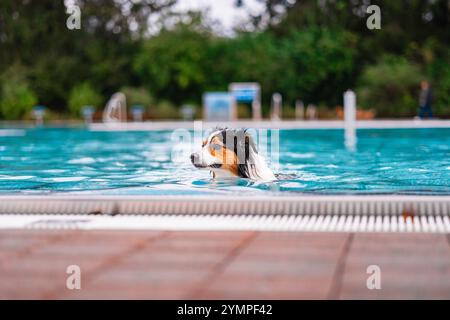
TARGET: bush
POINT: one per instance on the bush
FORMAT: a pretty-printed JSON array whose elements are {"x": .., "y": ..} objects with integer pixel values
[
  {"x": 244, "y": 111},
  {"x": 439, "y": 73},
  {"x": 83, "y": 95},
  {"x": 315, "y": 64},
  {"x": 391, "y": 87},
  {"x": 441, "y": 94},
  {"x": 171, "y": 64},
  {"x": 137, "y": 96},
  {"x": 164, "y": 110},
  {"x": 16, "y": 98}
]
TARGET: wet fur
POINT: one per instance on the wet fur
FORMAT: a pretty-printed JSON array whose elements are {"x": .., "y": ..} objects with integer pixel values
[{"x": 234, "y": 153}]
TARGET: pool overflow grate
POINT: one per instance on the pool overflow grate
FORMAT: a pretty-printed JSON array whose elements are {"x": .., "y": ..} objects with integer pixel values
[
  {"x": 284, "y": 223},
  {"x": 216, "y": 205},
  {"x": 345, "y": 213}
]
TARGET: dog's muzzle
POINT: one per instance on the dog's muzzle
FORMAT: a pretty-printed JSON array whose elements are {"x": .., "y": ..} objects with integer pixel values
[{"x": 195, "y": 159}]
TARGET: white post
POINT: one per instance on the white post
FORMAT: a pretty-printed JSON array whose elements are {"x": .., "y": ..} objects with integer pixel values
[
  {"x": 256, "y": 103},
  {"x": 276, "y": 106},
  {"x": 350, "y": 119},
  {"x": 39, "y": 113},
  {"x": 311, "y": 112},
  {"x": 256, "y": 108},
  {"x": 299, "y": 110},
  {"x": 88, "y": 113}
]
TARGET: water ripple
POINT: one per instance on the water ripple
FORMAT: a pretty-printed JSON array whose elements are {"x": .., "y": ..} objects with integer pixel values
[{"x": 313, "y": 161}]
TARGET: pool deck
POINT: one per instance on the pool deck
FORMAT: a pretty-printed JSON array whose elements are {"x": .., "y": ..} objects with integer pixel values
[
  {"x": 267, "y": 124},
  {"x": 181, "y": 248},
  {"x": 222, "y": 265}
]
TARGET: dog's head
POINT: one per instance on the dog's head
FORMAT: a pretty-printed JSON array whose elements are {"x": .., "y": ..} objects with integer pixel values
[{"x": 232, "y": 153}]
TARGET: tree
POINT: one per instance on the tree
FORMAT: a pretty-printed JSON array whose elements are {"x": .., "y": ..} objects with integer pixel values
[
  {"x": 16, "y": 98},
  {"x": 390, "y": 87},
  {"x": 171, "y": 64},
  {"x": 34, "y": 34},
  {"x": 318, "y": 65},
  {"x": 83, "y": 95}
]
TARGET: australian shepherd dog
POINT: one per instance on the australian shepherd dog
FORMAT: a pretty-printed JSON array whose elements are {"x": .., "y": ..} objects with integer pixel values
[{"x": 232, "y": 153}]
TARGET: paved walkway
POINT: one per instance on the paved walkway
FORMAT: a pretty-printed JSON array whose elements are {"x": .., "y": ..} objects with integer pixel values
[{"x": 225, "y": 265}]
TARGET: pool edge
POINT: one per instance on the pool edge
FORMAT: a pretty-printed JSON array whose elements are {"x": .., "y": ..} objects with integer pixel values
[{"x": 229, "y": 205}]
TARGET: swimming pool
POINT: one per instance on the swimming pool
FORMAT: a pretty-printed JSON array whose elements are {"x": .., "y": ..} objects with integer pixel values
[{"x": 71, "y": 160}]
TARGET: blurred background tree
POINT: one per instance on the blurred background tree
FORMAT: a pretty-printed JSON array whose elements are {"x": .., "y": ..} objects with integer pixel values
[
  {"x": 16, "y": 97},
  {"x": 171, "y": 64},
  {"x": 137, "y": 96},
  {"x": 83, "y": 95},
  {"x": 310, "y": 49},
  {"x": 390, "y": 87},
  {"x": 57, "y": 59}
]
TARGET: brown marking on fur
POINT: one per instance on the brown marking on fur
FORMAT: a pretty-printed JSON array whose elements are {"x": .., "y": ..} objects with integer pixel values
[
  {"x": 227, "y": 157},
  {"x": 216, "y": 140},
  {"x": 233, "y": 168}
]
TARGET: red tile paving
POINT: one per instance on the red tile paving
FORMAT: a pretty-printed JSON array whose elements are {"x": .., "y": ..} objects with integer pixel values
[{"x": 222, "y": 265}]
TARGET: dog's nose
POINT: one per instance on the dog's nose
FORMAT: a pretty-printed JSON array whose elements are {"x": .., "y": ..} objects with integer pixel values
[{"x": 194, "y": 158}]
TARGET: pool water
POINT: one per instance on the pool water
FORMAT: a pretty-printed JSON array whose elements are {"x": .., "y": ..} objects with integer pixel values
[{"x": 400, "y": 161}]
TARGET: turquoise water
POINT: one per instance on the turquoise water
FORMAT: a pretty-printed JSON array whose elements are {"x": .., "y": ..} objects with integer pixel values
[{"x": 411, "y": 161}]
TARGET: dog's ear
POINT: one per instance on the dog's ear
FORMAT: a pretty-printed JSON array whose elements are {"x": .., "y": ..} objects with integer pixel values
[
  {"x": 250, "y": 143},
  {"x": 240, "y": 145},
  {"x": 243, "y": 171},
  {"x": 252, "y": 158},
  {"x": 247, "y": 167},
  {"x": 243, "y": 168}
]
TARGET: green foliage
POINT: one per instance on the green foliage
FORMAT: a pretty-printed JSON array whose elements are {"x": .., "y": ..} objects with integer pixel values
[
  {"x": 317, "y": 66},
  {"x": 164, "y": 110},
  {"x": 16, "y": 98},
  {"x": 437, "y": 56},
  {"x": 82, "y": 95},
  {"x": 390, "y": 87},
  {"x": 312, "y": 64},
  {"x": 247, "y": 58},
  {"x": 137, "y": 96},
  {"x": 171, "y": 64},
  {"x": 441, "y": 93},
  {"x": 56, "y": 58},
  {"x": 310, "y": 50}
]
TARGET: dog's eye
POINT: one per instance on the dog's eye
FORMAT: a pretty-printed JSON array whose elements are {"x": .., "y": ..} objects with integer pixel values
[{"x": 215, "y": 146}]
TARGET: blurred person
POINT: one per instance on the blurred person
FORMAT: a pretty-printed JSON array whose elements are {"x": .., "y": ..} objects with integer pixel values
[{"x": 425, "y": 99}]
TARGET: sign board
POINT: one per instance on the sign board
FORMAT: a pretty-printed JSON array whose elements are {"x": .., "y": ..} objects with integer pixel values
[
  {"x": 244, "y": 94},
  {"x": 219, "y": 106},
  {"x": 248, "y": 92}
]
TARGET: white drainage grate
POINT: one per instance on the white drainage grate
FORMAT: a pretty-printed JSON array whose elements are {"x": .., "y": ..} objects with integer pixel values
[
  {"x": 217, "y": 205},
  {"x": 285, "y": 223},
  {"x": 384, "y": 213}
]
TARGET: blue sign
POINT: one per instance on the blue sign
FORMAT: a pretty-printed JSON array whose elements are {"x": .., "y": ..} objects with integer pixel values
[
  {"x": 39, "y": 108},
  {"x": 243, "y": 94},
  {"x": 218, "y": 106}
]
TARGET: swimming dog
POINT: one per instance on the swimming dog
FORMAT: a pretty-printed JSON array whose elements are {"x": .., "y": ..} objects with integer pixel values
[{"x": 232, "y": 153}]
